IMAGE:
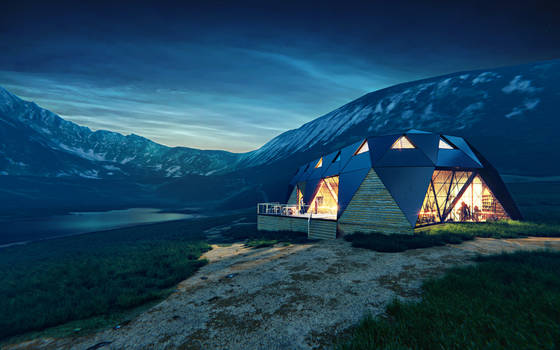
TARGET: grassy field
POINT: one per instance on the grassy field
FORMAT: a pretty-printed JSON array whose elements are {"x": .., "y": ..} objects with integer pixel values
[
  {"x": 108, "y": 273},
  {"x": 504, "y": 302}
]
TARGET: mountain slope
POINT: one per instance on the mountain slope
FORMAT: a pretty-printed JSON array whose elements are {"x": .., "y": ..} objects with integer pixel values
[
  {"x": 35, "y": 141},
  {"x": 510, "y": 114}
]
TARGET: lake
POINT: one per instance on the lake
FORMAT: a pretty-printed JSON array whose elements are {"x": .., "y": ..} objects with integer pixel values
[{"x": 32, "y": 229}]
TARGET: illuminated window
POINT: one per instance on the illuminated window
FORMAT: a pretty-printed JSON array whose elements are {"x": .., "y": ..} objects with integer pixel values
[
  {"x": 455, "y": 196},
  {"x": 337, "y": 158},
  {"x": 363, "y": 148},
  {"x": 402, "y": 143},
  {"x": 444, "y": 145},
  {"x": 319, "y": 163},
  {"x": 325, "y": 202}
]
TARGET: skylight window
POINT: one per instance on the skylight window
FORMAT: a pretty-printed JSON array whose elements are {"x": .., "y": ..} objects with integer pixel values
[
  {"x": 444, "y": 145},
  {"x": 363, "y": 148},
  {"x": 402, "y": 143},
  {"x": 319, "y": 163}
]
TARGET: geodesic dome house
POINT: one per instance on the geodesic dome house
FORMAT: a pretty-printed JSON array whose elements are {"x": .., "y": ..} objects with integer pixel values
[{"x": 391, "y": 184}]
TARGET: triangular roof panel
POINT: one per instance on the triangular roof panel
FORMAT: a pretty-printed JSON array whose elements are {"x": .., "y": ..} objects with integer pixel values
[
  {"x": 428, "y": 143},
  {"x": 310, "y": 188},
  {"x": 348, "y": 152},
  {"x": 404, "y": 157},
  {"x": 461, "y": 144},
  {"x": 414, "y": 131},
  {"x": 408, "y": 186},
  {"x": 378, "y": 146},
  {"x": 359, "y": 161},
  {"x": 332, "y": 167},
  {"x": 348, "y": 184},
  {"x": 455, "y": 158}
]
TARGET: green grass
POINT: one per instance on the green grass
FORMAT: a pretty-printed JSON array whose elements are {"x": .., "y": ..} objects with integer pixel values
[
  {"x": 398, "y": 242},
  {"x": 93, "y": 280},
  {"x": 499, "y": 229},
  {"x": 260, "y": 239},
  {"x": 504, "y": 302},
  {"x": 455, "y": 233}
]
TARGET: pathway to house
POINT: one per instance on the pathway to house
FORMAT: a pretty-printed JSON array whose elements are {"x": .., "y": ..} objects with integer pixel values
[{"x": 285, "y": 297}]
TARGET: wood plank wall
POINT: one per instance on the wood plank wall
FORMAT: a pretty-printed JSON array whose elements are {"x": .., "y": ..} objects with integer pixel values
[
  {"x": 373, "y": 209},
  {"x": 318, "y": 229}
]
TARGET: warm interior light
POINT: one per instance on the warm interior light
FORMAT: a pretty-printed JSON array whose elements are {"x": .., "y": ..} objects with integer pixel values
[
  {"x": 402, "y": 143},
  {"x": 325, "y": 201},
  {"x": 319, "y": 163},
  {"x": 363, "y": 148},
  {"x": 476, "y": 203},
  {"x": 444, "y": 145}
]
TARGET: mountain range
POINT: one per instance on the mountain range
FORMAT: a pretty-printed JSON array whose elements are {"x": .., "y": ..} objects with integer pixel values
[{"x": 510, "y": 114}]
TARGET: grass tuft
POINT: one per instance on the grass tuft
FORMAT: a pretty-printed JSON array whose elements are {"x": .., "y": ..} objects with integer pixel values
[{"x": 504, "y": 302}]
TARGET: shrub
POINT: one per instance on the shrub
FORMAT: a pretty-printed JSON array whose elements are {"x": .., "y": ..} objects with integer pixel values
[{"x": 399, "y": 242}]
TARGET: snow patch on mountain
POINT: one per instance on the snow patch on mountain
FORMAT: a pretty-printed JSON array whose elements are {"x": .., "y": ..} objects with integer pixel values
[
  {"x": 518, "y": 84},
  {"x": 528, "y": 104},
  {"x": 86, "y": 154}
]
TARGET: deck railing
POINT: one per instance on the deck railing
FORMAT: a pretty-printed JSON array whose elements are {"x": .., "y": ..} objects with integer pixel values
[{"x": 294, "y": 210}]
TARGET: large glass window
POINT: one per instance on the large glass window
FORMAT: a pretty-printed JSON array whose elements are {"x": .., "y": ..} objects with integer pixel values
[
  {"x": 325, "y": 201},
  {"x": 459, "y": 196}
]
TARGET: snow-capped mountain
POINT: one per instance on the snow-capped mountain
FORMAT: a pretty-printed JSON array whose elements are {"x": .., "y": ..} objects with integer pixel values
[
  {"x": 511, "y": 114},
  {"x": 35, "y": 141}
]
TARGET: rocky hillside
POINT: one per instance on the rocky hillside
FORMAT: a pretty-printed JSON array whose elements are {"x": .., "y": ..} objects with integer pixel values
[
  {"x": 510, "y": 114},
  {"x": 37, "y": 142}
]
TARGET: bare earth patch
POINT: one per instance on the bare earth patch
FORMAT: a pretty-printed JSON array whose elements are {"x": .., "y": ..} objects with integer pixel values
[{"x": 284, "y": 297}]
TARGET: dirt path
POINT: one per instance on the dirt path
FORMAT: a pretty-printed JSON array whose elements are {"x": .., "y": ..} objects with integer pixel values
[{"x": 286, "y": 297}]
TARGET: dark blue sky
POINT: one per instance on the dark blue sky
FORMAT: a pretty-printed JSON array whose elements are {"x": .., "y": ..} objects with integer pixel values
[{"x": 232, "y": 75}]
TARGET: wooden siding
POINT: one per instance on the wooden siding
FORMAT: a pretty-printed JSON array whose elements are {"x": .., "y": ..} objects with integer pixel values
[
  {"x": 373, "y": 209},
  {"x": 281, "y": 223},
  {"x": 322, "y": 229},
  {"x": 318, "y": 229}
]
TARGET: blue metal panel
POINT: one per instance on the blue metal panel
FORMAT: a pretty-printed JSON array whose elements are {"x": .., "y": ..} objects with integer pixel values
[
  {"x": 309, "y": 170},
  {"x": 427, "y": 143},
  {"x": 455, "y": 158},
  {"x": 463, "y": 146},
  {"x": 408, "y": 186},
  {"x": 404, "y": 157},
  {"x": 357, "y": 162},
  {"x": 328, "y": 165},
  {"x": 347, "y": 152},
  {"x": 348, "y": 184},
  {"x": 310, "y": 188},
  {"x": 414, "y": 131},
  {"x": 298, "y": 175},
  {"x": 378, "y": 146}
]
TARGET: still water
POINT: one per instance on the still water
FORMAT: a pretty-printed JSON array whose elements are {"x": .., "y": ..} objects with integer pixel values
[{"x": 25, "y": 230}]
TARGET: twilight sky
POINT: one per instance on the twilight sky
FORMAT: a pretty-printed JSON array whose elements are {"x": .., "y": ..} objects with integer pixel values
[{"x": 231, "y": 75}]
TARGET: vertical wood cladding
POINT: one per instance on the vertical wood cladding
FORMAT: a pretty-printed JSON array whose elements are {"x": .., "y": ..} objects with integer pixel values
[
  {"x": 373, "y": 209},
  {"x": 318, "y": 229}
]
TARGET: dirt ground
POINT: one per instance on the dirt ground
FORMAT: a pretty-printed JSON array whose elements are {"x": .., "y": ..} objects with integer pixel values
[{"x": 285, "y": 297}]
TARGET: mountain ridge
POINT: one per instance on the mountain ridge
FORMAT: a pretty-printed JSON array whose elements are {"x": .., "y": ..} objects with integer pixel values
[{"x": 490, "y": 107}]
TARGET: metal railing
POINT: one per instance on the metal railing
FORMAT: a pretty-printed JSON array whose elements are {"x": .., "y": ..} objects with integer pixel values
[{"x": 295, "y": 210}]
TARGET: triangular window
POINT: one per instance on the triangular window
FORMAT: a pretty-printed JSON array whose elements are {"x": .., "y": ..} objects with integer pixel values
[
  {"x": 319, "y": 163},
  {"x": 337, "y": 158},
  {"x": 402, "y": 143},
  {"x": 444, "y": 145},
  {"x": 363, "y": 148}
]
